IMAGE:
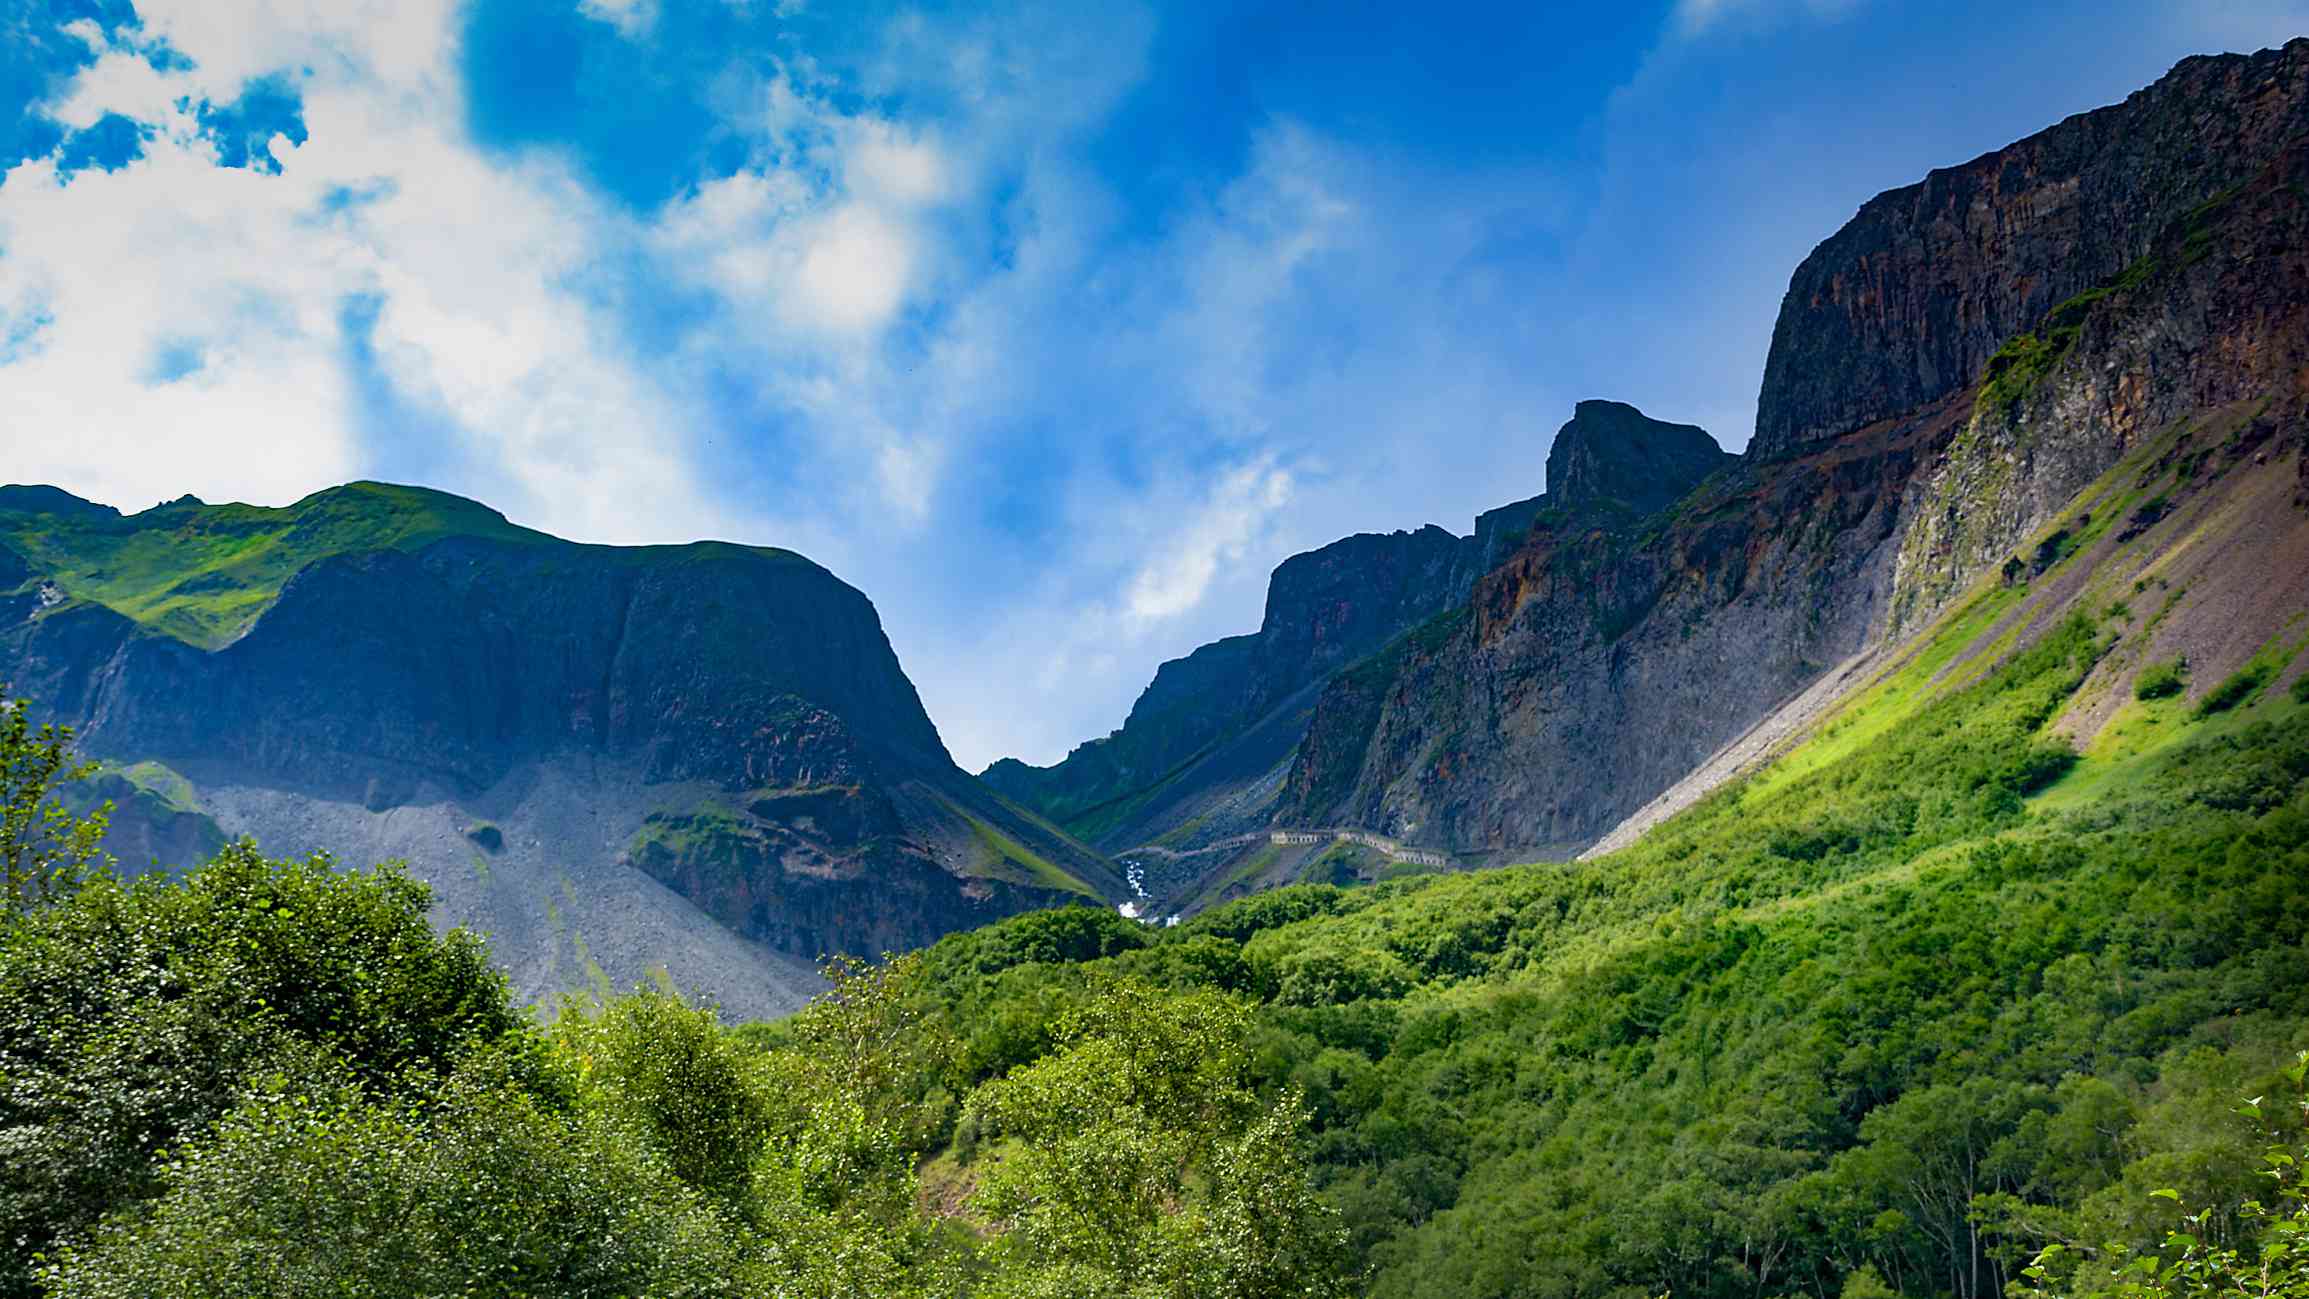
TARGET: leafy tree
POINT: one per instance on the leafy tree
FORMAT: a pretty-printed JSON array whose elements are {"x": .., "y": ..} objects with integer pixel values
[
  {"x": 45, "y": 851},
  {"x": 132, "y": 1014},
  {"x": 2192, "y": 1261},
  {"x": 667, "y": 1074},
  {"x": 1138, "y": 1160}
]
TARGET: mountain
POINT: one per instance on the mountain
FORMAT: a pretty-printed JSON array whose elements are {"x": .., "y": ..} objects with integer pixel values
[
  {"x": 2066, "y": 369},
  {"x": 703, "y": 759},
  {"x": 1188, "y": 786},
  {"x": 1938, "y": 776}
]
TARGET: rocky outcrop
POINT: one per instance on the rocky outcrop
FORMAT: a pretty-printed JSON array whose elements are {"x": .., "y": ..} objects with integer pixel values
[
  {"x": 1601, "y": 661},
  {"x": 1325, "y": 608},
  {"x": 715, "y": 694},
  {"x": 1611, "y": 457}
]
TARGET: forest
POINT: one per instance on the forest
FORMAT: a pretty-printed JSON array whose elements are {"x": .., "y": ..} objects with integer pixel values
[{"x": 1955, "y": 1011}]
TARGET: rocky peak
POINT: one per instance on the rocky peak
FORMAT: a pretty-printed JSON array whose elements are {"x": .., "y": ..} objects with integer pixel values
[
  {"x": 1907, "y": 303},
  {"x": 1612, "y": 455}
]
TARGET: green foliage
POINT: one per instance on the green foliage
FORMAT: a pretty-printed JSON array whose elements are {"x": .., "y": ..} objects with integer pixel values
[
  {"x": 272, "y": 1079},
  {"x": 1885, "y": 1023},
  {"x": 132, "y": 1016},
  {"x": 2260, "y": 1249},
  {"x": 1890, "y": 1019},
  {"x": 2026, "y": 359},
  {"x": 1136, "y": 1158},
  {"x": 2236, "y": 689},
  {"x": 45, "y": 851},
  {"x": 315, "y": 1185},
  {"x": 2161, "y": 680},
  {"x": 1061, "y": 934},
  {"x": 2300, "y": 689},
  {"x": 666, "y": 1073}
]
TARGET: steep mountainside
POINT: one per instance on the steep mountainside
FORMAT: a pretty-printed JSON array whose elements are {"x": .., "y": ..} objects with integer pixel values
[
  {"x": 1187, "y": 786},
  {"x": 593, "y": 753},
  {"x": 2091, "y": 341}
]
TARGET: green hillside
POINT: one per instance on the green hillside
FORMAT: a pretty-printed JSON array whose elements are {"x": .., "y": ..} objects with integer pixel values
[{"x": 1920, "y": 1005}]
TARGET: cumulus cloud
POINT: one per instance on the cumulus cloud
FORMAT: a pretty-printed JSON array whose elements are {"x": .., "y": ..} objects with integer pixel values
[{"x": 194, "y": 301}]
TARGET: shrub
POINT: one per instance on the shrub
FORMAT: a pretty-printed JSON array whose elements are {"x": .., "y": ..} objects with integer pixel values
[
  {"x": 2240, "y": 687},
  {"x": 2161, "y": 680},
  {"x": 312, "y": 1185}
]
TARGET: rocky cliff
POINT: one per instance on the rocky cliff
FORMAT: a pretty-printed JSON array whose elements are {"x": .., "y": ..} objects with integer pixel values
[
  {"x": 382, "y": 671},
  {"x": 1910, "y": 300},
  {"x": 2019, "y": 372}
]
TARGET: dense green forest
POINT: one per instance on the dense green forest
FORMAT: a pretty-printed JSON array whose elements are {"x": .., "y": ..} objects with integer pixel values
[{"x": 1932, "y": 1000}]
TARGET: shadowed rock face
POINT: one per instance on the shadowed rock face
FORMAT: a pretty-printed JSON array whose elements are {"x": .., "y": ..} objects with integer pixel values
[
  {"x": 375, "y": 674},
  {"x": 1907, "y": 303},
  {"x": 1325, "y": 608},
  {"x": 732, "y": 718}
]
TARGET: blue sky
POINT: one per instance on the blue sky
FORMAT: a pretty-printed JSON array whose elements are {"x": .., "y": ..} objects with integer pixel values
[{"x": 1052, "y": 326}]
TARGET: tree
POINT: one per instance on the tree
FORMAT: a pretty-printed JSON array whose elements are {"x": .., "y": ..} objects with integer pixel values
[
  {"x": 45, "y": 851},
  {"x": 132, "y": 1015},
  {"x": 1137, "y": 1160},
  {"x": 2273, "y": 1263},
  {"x": 314, "y": 1184}
]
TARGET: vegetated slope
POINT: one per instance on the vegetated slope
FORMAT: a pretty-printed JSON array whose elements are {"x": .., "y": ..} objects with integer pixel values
[
  {"x": 1897, "y": 1009},
  {"x": 1187, "y": 784},
  {"x": 1947, "y": 375},
  {"x": 700, "y": 758}
]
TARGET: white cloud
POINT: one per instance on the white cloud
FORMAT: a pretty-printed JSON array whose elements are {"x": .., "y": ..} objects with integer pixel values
[
  {"x": 241, "y": 270},
  {"x": 1242, "y": 504},
  {"x": 633, "y": 17},
  {"x": 852, "y": 272},
  {"x": 882, "y": 163}
]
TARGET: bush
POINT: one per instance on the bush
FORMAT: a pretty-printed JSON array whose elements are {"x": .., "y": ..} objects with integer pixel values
[
  {"x": 2240, "y": 686},
  {"x": 2161, "y": 680},
  {"x": 2300, "y": 689}
]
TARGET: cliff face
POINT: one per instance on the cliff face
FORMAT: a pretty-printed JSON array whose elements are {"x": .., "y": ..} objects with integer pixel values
[
  {"x": 1952, "y": 376},
  {"x": 1603, "y": 659},
  {"x": 736, "y": 712},
  {"x": 1907, "y": 303},
  {"x": 1613, "y": 458}
]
